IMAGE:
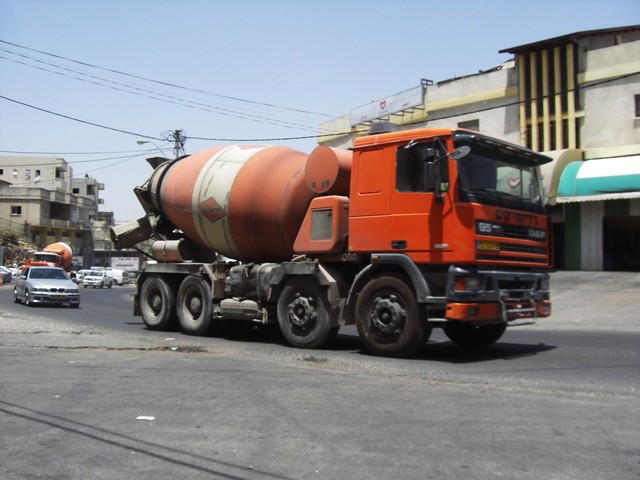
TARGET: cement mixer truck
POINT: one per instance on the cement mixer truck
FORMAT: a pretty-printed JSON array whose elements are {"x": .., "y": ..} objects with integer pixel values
[
  {"x": 408, "y": 231},
  {"x": 56, "y": 254}
]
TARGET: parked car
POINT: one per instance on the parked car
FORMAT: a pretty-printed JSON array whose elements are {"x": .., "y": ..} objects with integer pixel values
[
  {"x": 80, "y": 275},
  {"x": 97, "y": 278},
  {"x": 45, "y": 285},
  {"x": 6, "y": 275}
]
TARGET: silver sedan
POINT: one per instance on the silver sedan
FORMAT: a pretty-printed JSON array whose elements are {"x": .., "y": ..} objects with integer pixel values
[{"x": 45, "y": 285}]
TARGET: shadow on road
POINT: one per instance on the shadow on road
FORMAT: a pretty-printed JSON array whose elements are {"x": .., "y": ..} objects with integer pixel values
[
  {"x": 436, "y": 351},
  {"x": 451, "y": 353}
]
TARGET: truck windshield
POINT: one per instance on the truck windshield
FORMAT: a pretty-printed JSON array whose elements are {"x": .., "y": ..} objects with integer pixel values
[
  {"x": 500, "y": 174},
  {"x": 46, "y": 257}
]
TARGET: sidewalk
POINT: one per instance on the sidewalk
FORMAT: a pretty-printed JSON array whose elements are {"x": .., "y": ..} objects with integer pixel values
[{"x": 591, "y": 301}]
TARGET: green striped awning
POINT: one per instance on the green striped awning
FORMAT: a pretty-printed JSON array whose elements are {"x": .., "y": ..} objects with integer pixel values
[{"x": 601, "y": 179}]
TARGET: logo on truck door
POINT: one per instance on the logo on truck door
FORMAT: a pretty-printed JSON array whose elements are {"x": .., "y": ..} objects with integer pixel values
[{"x": 211, "y": 209}]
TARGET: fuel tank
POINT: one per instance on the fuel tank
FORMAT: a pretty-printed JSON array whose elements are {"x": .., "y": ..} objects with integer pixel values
[{"x": 246, "y": 202}]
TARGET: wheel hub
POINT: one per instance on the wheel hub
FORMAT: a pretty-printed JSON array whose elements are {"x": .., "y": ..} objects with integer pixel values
[
  {"x": 302, "y": 312},
  {"x": 156, "y": 303},
  {"x": 387, "y": 315},
  {"x": 195, "y": 306}
]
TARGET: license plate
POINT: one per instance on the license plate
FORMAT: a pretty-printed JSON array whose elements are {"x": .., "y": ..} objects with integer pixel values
[
  {"x": 57, "y": 297},
  {"x": 488, "y": 245}
]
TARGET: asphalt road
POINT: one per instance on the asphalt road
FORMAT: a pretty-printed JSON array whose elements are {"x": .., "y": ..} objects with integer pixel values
[{"x": 89, "y": 393}]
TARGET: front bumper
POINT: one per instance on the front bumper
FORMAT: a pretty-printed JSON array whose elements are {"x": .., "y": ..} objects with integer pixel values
[
  {"x": 487, "y": 296},
  {"x": 52, "y": 298}
]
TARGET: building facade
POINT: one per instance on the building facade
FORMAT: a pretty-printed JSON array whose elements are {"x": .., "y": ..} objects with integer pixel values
[
  {"x": 40, "y": 199},
  {"x": 575, "y": 98}
]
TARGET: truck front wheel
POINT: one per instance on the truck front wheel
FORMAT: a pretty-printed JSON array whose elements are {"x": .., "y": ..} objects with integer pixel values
[
  {"x": 388, "y": 318},
  {"x": 157, "y": 303},
  {"x": 194, "y": 306},
  {"x": 303, "y": 314}
]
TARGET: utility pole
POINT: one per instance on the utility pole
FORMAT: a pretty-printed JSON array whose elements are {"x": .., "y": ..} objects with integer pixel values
[{"x": 178, "y": 139}]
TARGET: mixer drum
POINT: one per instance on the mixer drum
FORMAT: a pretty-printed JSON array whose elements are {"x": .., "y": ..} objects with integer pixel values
[{"x": 244, "y": 201}]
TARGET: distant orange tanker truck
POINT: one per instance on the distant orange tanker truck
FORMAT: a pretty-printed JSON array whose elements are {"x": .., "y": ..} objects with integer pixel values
[
  {"x": 408, "y": 231},
  {"x": 57, "y": 254}
]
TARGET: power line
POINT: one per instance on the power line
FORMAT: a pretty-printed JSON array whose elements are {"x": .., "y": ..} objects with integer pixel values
[
  {"x": 154, "y": 95},
  {"x": 91, "y": 160},
  {"x": 80, "y": 120},
  {"x": 22, "y": 152},
  {"x": 237, "y": 99}
]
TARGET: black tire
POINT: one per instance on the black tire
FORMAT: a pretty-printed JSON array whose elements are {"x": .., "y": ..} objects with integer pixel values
[
  {"x": 194, "y": 306},
  {"x": 474, "y": 336},
  {"x": 303, "y": 314},
  {"x": 15, "y": 296},
  {"x": 389, "y": 319},
  {"x": 110, "y": 285},
  {"x": 157, "y": 303}
]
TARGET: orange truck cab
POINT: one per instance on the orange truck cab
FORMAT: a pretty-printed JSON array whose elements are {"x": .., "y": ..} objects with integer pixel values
[{"x": 462, "y": 215}]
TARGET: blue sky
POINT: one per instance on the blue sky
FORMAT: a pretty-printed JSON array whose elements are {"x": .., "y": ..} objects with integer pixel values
[{"x": 85, "y": 79}]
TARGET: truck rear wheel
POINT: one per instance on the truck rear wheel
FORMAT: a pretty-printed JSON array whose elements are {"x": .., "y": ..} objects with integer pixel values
[
  {"x": 194, "y": 306},
  {"x": 388, "y": 318},
  {"x": 303, "y": 314},
  {"x": 157, "y": 303},
  {"x": 474, "y": 336}
]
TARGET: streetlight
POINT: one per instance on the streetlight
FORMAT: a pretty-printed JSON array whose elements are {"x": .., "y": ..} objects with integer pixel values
[{"x": 142, "y": 142}]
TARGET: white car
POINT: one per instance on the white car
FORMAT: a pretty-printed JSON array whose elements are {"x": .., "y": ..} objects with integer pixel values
[
  {"x": 80, "y": 275},
  {"x": 97, "y": 278},
  {"x": 51, "y": 285}
]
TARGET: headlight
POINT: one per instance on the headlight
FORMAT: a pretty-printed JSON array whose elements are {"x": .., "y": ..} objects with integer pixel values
[{"x": 468, "y": 284}]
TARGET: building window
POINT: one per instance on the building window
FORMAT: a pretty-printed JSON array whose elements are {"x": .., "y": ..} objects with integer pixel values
[
  {"x": 27, "y": 174},
  {"x": 470, "y": 125},
  {"x": 76, "y": 191},
  {"x": 637, "y": 98},
  {"x": 15, "y": 173},
  {"x": 16, "y": 210},
  {"x": 37, "y": 179},
  {"x": 1, "y": 171}
]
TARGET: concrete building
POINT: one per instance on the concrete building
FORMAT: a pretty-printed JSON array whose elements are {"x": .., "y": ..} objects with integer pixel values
[
  {"x": 574, "y": 97},
  {"x": 40, "y": 198}
]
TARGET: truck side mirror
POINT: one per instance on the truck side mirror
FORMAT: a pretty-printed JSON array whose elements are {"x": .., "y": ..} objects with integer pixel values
[{"x": 460, "y": 152}]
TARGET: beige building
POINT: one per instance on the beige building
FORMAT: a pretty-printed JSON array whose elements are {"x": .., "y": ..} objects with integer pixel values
[
  {"x": 576, "y": 98},
  {"x": 40, "y": 198}
]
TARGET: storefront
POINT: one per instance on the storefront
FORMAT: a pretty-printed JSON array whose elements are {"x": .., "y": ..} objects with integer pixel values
[{"x": 599, "y": 201}]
